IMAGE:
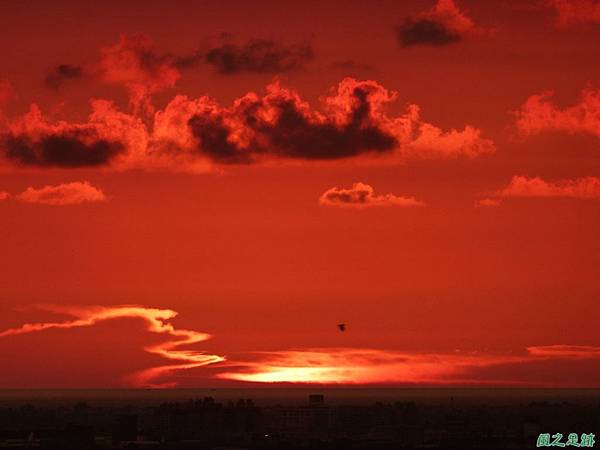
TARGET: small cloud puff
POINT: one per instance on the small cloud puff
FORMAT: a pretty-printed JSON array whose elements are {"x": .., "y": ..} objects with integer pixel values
[
  {"x": 73, "y": 193},
  {"x": 361, "y": 195},
  {"x": 444, "y": 24}
]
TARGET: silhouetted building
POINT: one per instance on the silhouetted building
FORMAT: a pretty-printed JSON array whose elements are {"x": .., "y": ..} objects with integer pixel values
[
  {"x": 316, "y": 399},
  {"x": 125, "y": 428}
]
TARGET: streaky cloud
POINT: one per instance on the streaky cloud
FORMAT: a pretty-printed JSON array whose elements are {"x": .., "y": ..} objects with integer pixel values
[{"x": 157, "y": 321}]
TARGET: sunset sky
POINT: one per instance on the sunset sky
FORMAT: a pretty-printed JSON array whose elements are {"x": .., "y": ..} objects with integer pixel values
[{"x": 196, "y": 193}]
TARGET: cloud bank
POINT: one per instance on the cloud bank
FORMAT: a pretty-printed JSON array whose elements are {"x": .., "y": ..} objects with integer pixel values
[{"x": 199, "y": 134}]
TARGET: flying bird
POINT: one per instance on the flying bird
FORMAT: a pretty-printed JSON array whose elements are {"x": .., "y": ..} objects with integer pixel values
[{"x": 342, "y": 326}]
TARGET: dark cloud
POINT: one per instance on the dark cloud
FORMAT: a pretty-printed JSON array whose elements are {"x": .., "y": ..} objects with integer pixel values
[
  {"x": 135, "y": 62},
  {"x": 62, "y": 73},
  {"x": 292, "y": 132},
  {"x": 258, "y": 56},
  {"x": 425, "y": 32},
  {"x": 214, "y": 136},
  {"x": 443, "y": 24},
  {"x": 350, "y": 65},
  {"x": 77, "y": 149}
]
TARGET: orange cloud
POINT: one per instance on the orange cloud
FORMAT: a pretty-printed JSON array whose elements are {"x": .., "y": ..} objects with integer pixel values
[
  {"x": 443, "y": 24},
  {"x": 4, "y": 195},
  {"x": 521, "y": 186},
  {"x": 73, "y": 193},
  {"x": 361, "y": 195},
  {"x": 371, "y": 366},
  {"x": 539, "y": 114},
  {"x": 572, "y": 13},
  {"x": 134, "y": 62},
  {"x": 157, "y": 321}
]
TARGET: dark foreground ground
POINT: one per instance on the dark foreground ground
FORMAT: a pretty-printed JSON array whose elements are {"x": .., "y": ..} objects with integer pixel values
[{"x": 299, "y": 419}]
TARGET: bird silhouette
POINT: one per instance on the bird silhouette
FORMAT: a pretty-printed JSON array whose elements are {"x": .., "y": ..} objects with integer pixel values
[{"x": 342, "y": 326}]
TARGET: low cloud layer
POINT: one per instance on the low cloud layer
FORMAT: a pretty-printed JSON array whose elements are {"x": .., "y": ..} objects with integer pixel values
[
  {"x": 539, "y": 114},
  {"x": 199, "y": 134},
  {"x": 444, "y": 24},
  {"x": 345, "y": 366},
  {"x": 74, "y": 193},
  {"x": 361, "y": 195},
  {"x": 374, "y": 366}
]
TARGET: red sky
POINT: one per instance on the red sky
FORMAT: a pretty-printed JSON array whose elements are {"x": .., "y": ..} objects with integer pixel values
[{"x": 427, "y": 173}]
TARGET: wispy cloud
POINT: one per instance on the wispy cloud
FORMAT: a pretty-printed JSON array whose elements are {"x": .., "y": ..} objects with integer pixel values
[
  {"x": 157, "y": 321},
  {"x": 312, "y": 365},
  {"x": 376, "y": 366}
]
